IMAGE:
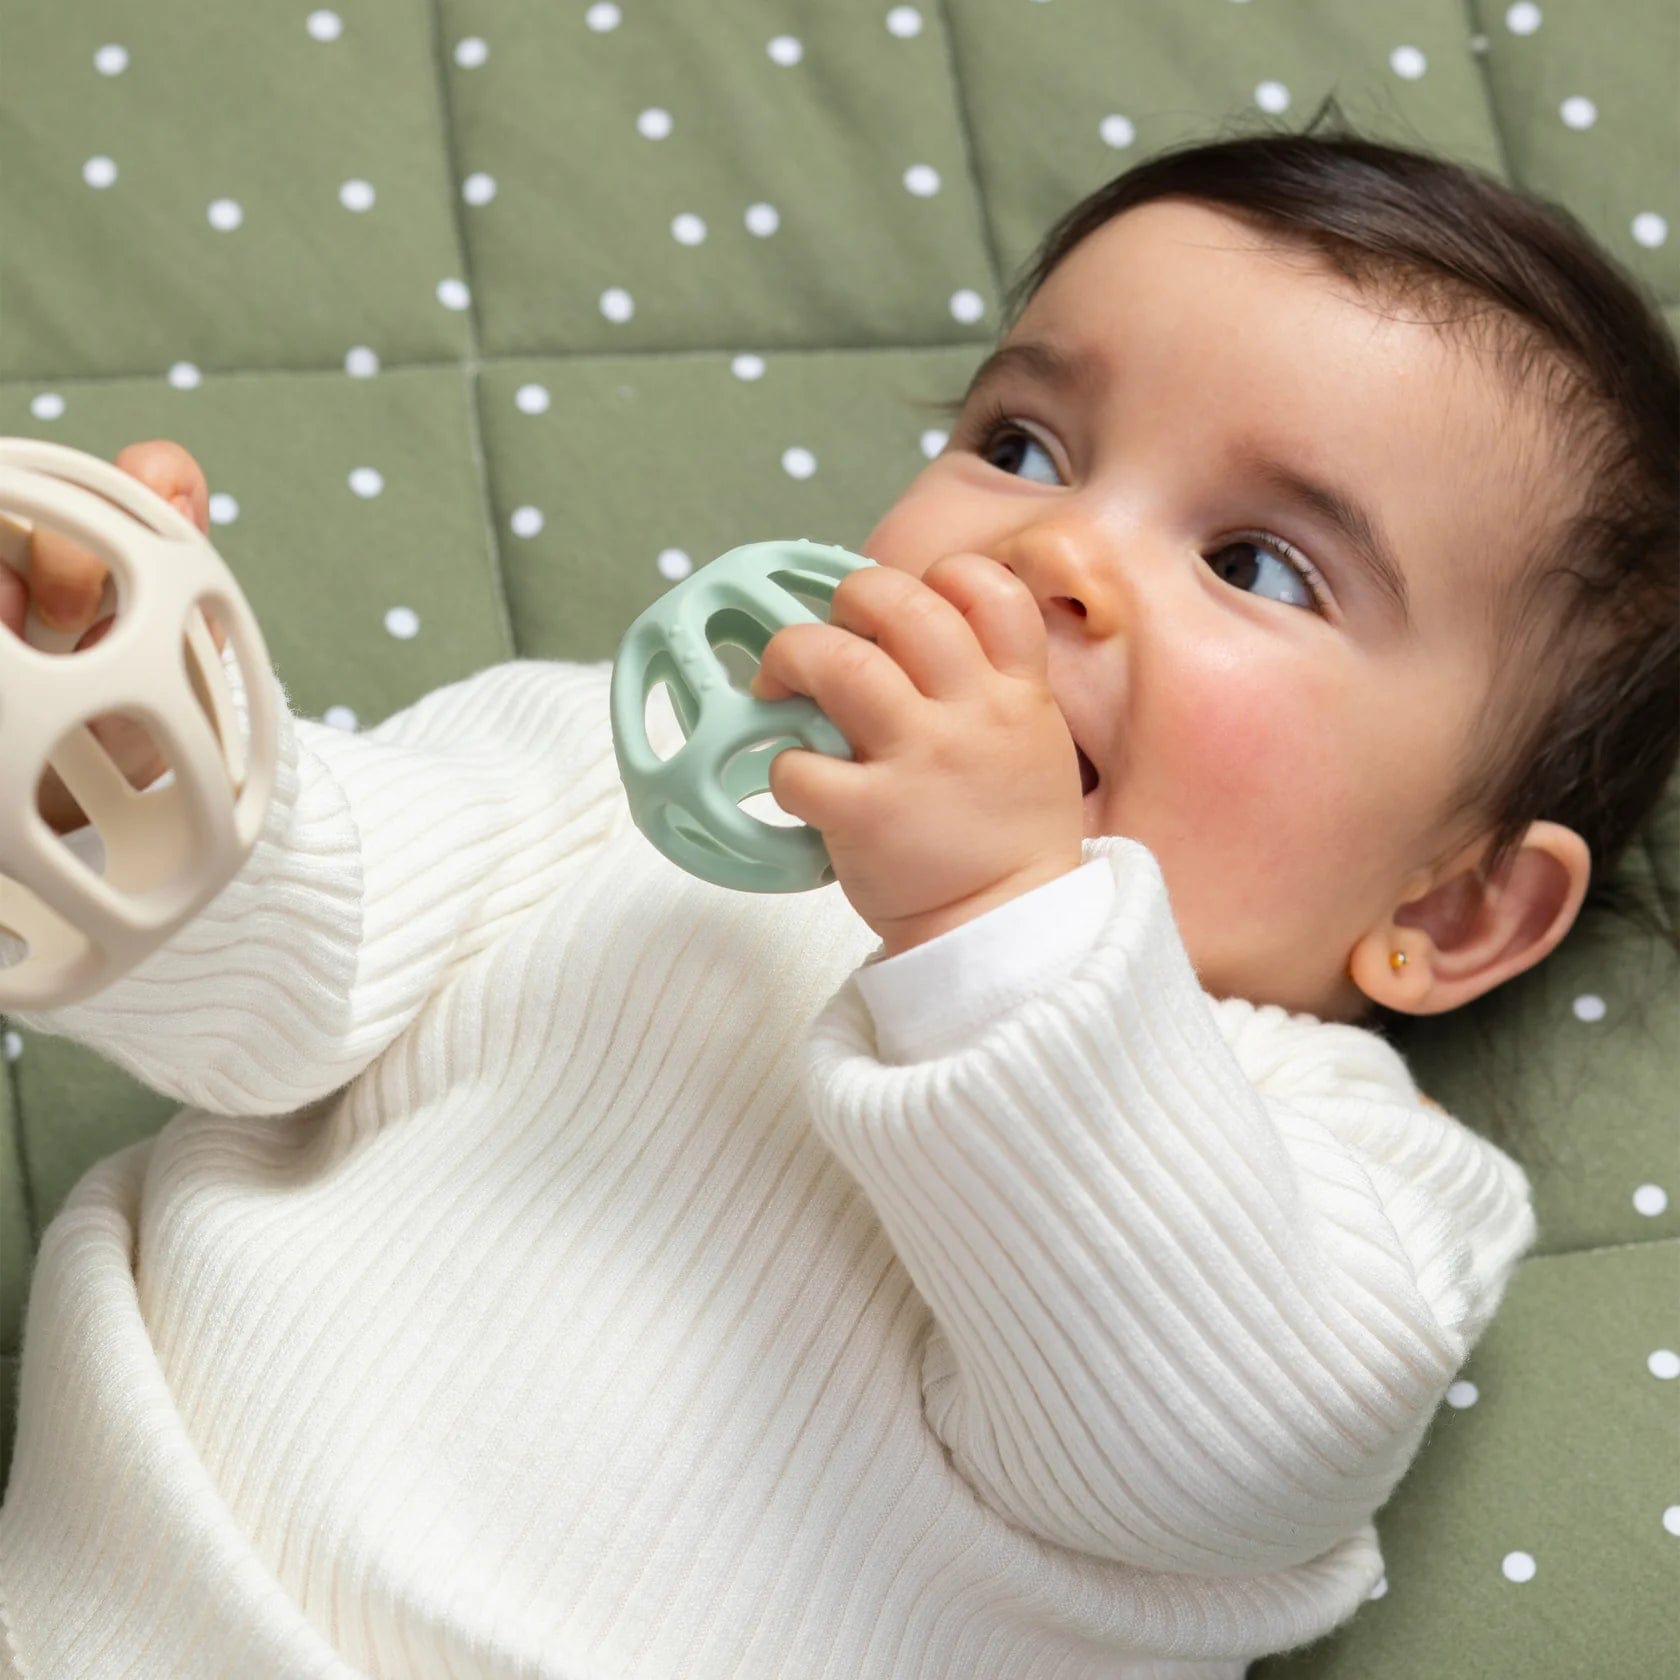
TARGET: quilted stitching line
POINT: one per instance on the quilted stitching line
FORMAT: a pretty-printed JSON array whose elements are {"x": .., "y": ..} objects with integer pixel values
[
  {"x": 30, "y": 1215},
  {"x": 1475, "y": 24},
  {"x": 469, "y": 367},
  {"x": 966, "y": 129}
]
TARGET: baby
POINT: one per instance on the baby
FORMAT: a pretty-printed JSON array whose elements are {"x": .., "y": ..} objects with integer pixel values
[{"x": 1025, "y": 1261}]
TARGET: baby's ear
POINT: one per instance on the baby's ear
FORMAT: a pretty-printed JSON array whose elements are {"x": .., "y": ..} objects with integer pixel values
[{"x": 1476, "y": 934}]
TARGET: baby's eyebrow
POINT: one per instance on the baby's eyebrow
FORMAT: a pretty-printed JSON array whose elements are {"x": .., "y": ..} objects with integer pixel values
[
  {"x": 1349, "y": 518},
  {"x": 1046, "y": 363},
  {"x": 1341, "y": 511}
]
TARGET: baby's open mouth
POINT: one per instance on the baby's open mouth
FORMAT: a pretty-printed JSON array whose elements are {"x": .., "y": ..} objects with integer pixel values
[{"x": 1088, "y": 777}]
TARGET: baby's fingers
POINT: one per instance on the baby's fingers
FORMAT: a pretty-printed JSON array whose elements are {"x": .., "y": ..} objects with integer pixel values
[
  {"x": 66, "y": 580},
  {"x": 14, "y": 599},
  {"x": 172, "y": 472}
]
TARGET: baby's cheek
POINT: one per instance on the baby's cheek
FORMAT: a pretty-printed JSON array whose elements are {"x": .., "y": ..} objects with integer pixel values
[{"x": 1257, "y": 771}]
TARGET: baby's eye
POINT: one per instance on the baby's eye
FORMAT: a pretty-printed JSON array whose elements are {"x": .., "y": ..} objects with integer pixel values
[
  {"x": 1005, "y": 437},
  {"x": 1232, "y": 564}
]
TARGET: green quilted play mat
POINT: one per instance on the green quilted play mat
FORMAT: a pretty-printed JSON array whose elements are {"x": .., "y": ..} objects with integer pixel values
[{"x": 490, "y": 319}]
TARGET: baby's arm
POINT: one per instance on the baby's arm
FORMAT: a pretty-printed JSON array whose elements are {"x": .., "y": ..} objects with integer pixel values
[
  {"x": 1189, "y": 1314},
  {"x": 386, "y": 860}
]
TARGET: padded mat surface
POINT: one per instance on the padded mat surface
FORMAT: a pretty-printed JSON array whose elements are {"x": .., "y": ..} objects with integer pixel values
[{"x": 490, "y": 321}]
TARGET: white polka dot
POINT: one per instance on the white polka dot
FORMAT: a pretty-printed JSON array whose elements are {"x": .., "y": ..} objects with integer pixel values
[
  {"x": 99, "y": 172},
  {"x": 1649, "y": 229},
  {"x": 324, "y": 25},
  {"x": 654, "y": 123},
  {"x": 922, "y": 179},
  {"x": 688, "y": 229},
  {"x": 1117, "y": 131},
  {"x": 1461, "y": 1394},
  {"x": 967, "y": 305},
  {"x": 1272, "y": 96},
  {"x": 1671, "y": 1516},
  {"x": 366, "y": 481},
  {"x": 786, "y": 50},
  {"x": 628, "y": 392},
  {"x": 603, "y": 16},
  {"x": 1478, "y": 43},
  {"x": 747, "y": 366},
  {"x": 531, "y": 399},
  {"x": 225, "y": 214},
  {"x": 1408, "y": 62},
  {"x": 356, "y": 195},
  {"x": 453, "y": 294},
  {"x": 185, "y": 377},
  {"x": 905, "y": 22},
  {"x": 471, "y": 52},
  {"x": 1522, "y": 18},
  {"x": 360, "y": 362},
  {"x": 1589, "y": 1007},
  {"x": 617, "y": 304},
  {"x": 478, "y": 188},
  {"x": 1664, "y": 1364},
  {"x": 224, "y": 509},
  {"x": 403, "y": 623},
  {"x": 798, "y": 463},
  {"x": 111, "y": 61},
  {"x": 933, "y": 441},
  {"x": 1578, "y": 111},
  {"x": 526, "y": 521},
  {"x": 762, "y": 220},
  {"x": 48, "y": 406},
  {"x": 673, "y": 563},
  {"x": 1517, "y": 1566},
  {"x": 1650, "y": 1200},
  {"x": 14, "y": 1046},
  {"x": 1380, "y": 1588},
  {"x": 340, "y": 717}
]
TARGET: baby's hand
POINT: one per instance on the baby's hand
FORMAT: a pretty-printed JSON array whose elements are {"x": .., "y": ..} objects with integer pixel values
[
  {"x": 965, "y": 791},
  {"x": 66, "y": 583}
]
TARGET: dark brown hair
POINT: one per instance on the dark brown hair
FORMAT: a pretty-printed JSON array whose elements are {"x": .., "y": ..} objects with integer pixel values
[{"x": 1581, "y": 716}]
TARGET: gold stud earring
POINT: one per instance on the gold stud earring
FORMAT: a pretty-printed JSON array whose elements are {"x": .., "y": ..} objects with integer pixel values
[{"x": 1397, "y": 960}]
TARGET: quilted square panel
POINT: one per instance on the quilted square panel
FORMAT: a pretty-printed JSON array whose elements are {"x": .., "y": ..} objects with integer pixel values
[
  {"x": 222, "y": 187},
  {"x": 665, "y": 175},
  {"x": 1061, "y": 96},
  {"x": 1584, "y": 98},
  {"x": 614, "y": 476}
]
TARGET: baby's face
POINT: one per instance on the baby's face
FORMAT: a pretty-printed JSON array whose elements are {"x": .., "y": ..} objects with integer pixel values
[{"x": 1286, "y": 765}]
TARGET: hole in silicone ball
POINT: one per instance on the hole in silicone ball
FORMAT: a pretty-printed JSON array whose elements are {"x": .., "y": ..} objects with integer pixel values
[
  {"x": 661, "y": 724},
  {"x": 13, "y": 947},
  {"x": 130, "y": 748},
  {"x": 233, "y": 671}
]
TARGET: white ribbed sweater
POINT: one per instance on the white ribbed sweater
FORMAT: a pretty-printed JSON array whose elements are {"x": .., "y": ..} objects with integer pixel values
[{"x": 569, "y": 1268}]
